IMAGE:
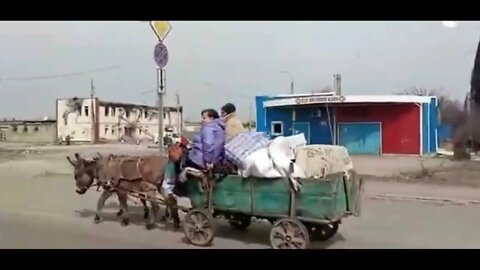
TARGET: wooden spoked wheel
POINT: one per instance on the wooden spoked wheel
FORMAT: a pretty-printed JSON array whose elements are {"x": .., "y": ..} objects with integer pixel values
[
  {"x": 198, "y": 227},
  {"x": 289, "y": 233}
]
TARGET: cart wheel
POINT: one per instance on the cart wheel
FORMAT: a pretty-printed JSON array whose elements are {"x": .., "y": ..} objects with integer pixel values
[
  {"x": 198, "y": 227},
  {"x": 323, "y": 232},
  {"x": 241, "y": 224},
  {"x": 288, "y": 233}
]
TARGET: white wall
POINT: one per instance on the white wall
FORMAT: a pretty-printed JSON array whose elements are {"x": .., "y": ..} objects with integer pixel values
[
  {"x": 79, "y": 126},
  {"x": 112, "y": 125}
]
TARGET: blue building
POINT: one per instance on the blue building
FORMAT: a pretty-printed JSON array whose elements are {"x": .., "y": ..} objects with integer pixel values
[{"x": 364, "y": 124}]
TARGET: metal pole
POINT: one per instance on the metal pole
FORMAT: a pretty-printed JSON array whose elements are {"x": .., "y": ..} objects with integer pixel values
[
  {"x": 179, "y": 120},
  {"x": 291, "y": 87},
  {"x": 92, "y": 112},
  {"x": 160, "y": 92}
]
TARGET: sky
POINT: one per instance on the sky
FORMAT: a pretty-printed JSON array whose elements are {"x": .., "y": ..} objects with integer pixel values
[{"x": 214, "y": 62}]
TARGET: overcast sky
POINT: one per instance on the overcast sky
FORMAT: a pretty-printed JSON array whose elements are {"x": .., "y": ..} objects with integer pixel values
[{"x": 216, "y": 62}]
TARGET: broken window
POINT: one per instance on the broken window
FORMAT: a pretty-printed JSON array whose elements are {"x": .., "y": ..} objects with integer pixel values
[
  {"x": 106, "y": 110},
  {"x": 113, "y": 111},
  {"x": 25, "y": 129},
  {"x": 35, "y": 129},
  {"x": 106, "y": 130},
  {"x": 86, "y": 110},
  {"x": 146, "y": 113},
  {"x": 14, "y": 128},
  {"x": 127, "y": 114},
  {"x": 140, "y": 131},
  {"x": 113, "y": 131}
]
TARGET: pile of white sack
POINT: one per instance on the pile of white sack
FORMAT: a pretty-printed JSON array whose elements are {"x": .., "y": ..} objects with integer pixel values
[{"x": 289, "y": 157}]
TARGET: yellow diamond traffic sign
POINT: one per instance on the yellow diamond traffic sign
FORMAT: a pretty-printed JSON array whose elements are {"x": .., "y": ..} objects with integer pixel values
[{"x": 161, "y": 29}]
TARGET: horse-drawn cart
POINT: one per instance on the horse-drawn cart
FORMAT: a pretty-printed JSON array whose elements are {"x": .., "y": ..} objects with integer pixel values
[{"x": 314, "y": 213}]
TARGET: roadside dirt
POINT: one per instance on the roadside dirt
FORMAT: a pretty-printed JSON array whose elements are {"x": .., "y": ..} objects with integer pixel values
[
  {"x": 456, "y": 174},
  {"x": 404, "y": 169}
]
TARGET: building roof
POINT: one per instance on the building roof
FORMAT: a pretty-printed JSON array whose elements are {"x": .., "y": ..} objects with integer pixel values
[
  {"x": 296, "y": 100},
  {"x": 121, "y": 104},
  {"x": 27, "y": 122},
  {"x": 133, "y": 105}
]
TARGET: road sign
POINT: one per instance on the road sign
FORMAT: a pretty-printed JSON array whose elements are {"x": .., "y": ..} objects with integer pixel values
[
  {"x": 161, "y": 29},
  {"x": 160, "y": 55},
  {"x": 161, "y": 83}
]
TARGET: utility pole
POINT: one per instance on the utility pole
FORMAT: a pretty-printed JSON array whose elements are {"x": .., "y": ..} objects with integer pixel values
[
  {"x": 179, "y": 114},
  {"x": 337, "y": 84},
  {"x": 161, "y": 90},
  {"x": 92, "y": 96}
]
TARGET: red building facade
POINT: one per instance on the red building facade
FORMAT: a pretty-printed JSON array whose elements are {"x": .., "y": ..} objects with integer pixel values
[{"x": 399, "y": 123}]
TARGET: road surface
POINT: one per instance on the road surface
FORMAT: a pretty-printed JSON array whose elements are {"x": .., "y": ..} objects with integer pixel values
[
  {"x": 39, "y": 209},
  {"x": 54, "y": 216},
  {"x": 383, "y": 225}
]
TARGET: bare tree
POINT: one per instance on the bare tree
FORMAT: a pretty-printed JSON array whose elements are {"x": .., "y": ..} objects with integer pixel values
[
  {"x": 451, "y": 111},
  {"x": 418, "y": 92}
]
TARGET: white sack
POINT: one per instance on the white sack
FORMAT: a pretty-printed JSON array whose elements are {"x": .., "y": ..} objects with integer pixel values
[
  {"x": 259, "y": 164},
  {"x": 274, "y": 161},
  {"x": 320, "y": 160}
]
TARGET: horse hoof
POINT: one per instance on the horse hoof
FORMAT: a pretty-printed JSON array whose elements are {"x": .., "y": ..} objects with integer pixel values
[
  {"x": 119, "y": 213},
  {"x": 146, "y": 215},
  {"x": 125, "y": 222},
  {"x": 97, "y": 219},
  {"x": 150, "y": 226}
]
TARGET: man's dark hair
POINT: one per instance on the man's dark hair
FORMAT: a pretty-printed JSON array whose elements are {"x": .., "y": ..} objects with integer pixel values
[
  {"x": 229, "y": 108},
  {"x": 211, "y": 113}
]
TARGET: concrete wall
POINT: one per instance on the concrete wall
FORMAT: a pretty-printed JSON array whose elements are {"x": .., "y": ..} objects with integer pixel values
[
  {"x": 78, "y": 124},
  {"x": 28, "y": 132},
  {"x": 112, "y": 122}
]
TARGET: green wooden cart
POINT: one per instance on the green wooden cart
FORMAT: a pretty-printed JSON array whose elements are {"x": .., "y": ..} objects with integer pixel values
[{"x": 312, "y": 214}]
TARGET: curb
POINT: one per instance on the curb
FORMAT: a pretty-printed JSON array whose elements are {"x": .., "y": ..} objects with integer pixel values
[{"x": 423, "y": 199}]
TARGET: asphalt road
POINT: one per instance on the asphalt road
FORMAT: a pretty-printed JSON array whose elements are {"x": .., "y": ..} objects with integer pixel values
[
  {"x": 383, "y": 225},
  {"x": 39, "y": 209}
]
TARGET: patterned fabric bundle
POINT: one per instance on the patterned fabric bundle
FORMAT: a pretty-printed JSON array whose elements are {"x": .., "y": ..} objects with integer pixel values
[{"x": 244, "y": 144}]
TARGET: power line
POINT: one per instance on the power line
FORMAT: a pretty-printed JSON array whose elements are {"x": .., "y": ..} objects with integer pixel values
[{"x": 73, "y": 74}]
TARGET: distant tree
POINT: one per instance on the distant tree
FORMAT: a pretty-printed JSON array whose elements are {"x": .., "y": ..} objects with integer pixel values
[{"x": 451, "y": 111}]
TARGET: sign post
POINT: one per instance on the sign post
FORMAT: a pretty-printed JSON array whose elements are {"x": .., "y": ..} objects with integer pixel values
[{"x": 160, "y": 55}]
